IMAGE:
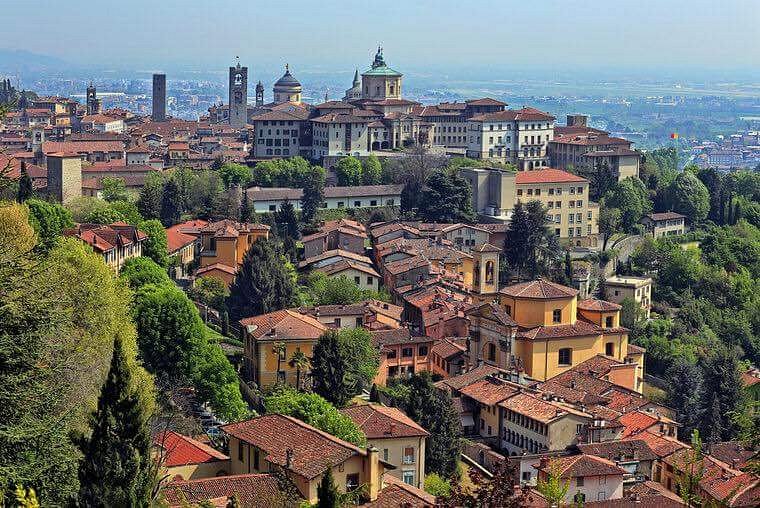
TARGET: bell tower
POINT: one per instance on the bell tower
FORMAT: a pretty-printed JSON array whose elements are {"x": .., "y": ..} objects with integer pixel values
[
  {"x": 485, "y": 276},
  {"x": 238, "y": 99},
  {"x": 93, "y": 103},
  {"x": 259, "y": 94}
]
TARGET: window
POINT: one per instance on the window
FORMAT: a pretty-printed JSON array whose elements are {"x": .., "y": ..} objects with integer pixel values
[
  {"x": 526, "y": 476},
  {"x": 608, "y": 323},
  {"x": 557, "y": 316},
  {"x": 519, "y": 192},
  {"x": 357, "y": 280},
  {"x": 240, "y": 451},
  {"x": 358, "y": 322},
  {"x": 341, "y": 204},
  {"x": 408, "y": 477},
  {"x": 272, "y": 208},
  {"x": 373, "y": 202},
  {"x": 357, "y": 203},
  {"x": 566, "y": 356},
  {"x": 551, "y": 191},
  {"x": 391, "y": 353},
  {"x": 407, "y": 352},
  {"x": 491, "y": 352},
  {"x": 255, "y": 459},
  {"x": 352, "y": 481},
  {"x": 408, "y": 457},
  {"x": 422, "y": 351},
  {"x": 579, "y": 481},
  {"x": 508, "y": 309},
  {"x": 385, "y": 454},
  {"x": 337, "y": 322}
]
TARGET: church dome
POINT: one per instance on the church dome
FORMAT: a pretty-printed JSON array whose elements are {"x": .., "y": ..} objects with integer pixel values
[{"x": 287, "y": 81}]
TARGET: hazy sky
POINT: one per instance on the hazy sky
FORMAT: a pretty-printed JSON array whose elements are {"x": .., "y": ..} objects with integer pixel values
[{"x": 420, "y": 34}]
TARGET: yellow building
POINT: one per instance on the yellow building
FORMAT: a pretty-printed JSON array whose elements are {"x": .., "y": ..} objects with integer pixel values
[
  {"x": 639, "y": 289},
  {"x": 273, "y": 340},
  {"x": 400, "y": 440},
  {"x": 555, "y": 332},
  {"x": 224, "y": 245},
  {"x": 276, "y": 442}
]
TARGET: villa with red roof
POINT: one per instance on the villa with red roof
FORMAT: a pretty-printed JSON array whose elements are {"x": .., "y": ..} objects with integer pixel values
[
  {"x": 116, "y": 242},
  {"x": 184, "y": 458}
]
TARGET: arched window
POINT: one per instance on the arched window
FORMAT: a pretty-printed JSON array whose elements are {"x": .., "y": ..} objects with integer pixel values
[
  {"x": 476, "y": 278},
  {"x": 489, "y": 272}
]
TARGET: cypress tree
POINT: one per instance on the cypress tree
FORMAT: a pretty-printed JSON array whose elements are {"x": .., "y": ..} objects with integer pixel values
[
  {"x": 722, "y": 395},
  {"x": 116, "y": 467},
  {"x": 245, "y": 208},
  {"x": 171, "y": 203},
  {"x": 327, "y": 493},
  {"x": 685, "y": 393},
  {"x": 331, "y": 370},
  {"x": 263, "y": 283},
  {"x": 25, "y": 190}
]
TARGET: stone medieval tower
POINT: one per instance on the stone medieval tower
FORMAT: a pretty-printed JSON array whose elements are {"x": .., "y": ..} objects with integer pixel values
[{"x": 238, "y": 99}]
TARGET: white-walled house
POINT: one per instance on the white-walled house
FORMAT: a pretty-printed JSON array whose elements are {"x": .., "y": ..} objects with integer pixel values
[{"x": 365, "y": 196}]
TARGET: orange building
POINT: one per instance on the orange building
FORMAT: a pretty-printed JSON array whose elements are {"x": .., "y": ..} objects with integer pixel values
[{"x": 223, "y": 247}]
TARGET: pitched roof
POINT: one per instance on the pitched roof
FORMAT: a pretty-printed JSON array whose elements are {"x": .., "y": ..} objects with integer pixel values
[
  {"x": 661, "y": 445},
  {"x": 216, "y": 266},
  {"x": 347, "y": 264},
  {"x": 547, "y": 176},
  {"x": 578, "y": 329},
  {"x": 665, "y": 216},
  {"x": 647, "y": 494},
  {"x": 179, "y": 450},
  {"x": 632, "y": 449},
  {"x": 252, "y": 490},
  {"x": 396, "y": 494},
  {"x": 539, "y": 289},
  {"x": 449, "y": 347},
  {"x": 82, "y": 146},
  {"x": 485, "y": 101},
  {"x": 574, "y": 466},
  {"x": 535, "y": 407},
  {"x": 176, "y": 238},
  {"x": 313, "y": 451},
  {"x": 490, "y": 391},
  {"x": 509, "y": 115},
  {"x": 283, "y": 324},
  {"x": 469, "y": 377},
  {"x": 383, "y": 422},
  {"x": 596, "y": 305}
]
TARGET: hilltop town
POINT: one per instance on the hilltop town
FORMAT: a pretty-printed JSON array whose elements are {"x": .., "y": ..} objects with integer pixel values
[{"x": 369, "y": 301}]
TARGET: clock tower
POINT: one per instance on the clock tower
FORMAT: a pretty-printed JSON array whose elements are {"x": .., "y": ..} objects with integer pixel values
[{"x": 238, "y": 100}]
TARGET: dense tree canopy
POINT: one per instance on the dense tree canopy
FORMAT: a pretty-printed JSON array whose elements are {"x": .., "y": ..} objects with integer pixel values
[
  {"x": 631, "y": 197},
  {"x": 155, "y": 246},
  {"x": 687, "y": 195},
  {"x": 531, "y": 248},
  {"x": 348, "y": 170},
  {"x": 446, "y": 198}
]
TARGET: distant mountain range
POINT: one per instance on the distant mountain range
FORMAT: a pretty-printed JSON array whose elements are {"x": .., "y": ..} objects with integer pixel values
[{"x": 19, "y": 61}]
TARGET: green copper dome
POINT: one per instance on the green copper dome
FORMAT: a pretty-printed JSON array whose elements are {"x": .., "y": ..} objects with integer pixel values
[{"x": 379, "y": 68}]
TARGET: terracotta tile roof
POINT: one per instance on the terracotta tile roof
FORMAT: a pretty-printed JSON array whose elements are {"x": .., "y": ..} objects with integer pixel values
[
  {"x": 383, "y": 422},
  {"x": 547, "y": 176},
  {"x": 283, "y": 325},
  {"x": 232, "y": 270},
  {"x": 335, "y": 105},
  {"x": 589, "y": 139},
  {"x": 406, "y": 265},
  {"x": 231, "y": 228},
  {"x": 492, "y": 311},
  {"x": 252, "y": 490},
  {"x": 469, "y": 377},
  {"x": 82, "y": 146},
  {"x": 176, "y": 239},
  {"x": 665, "y": 216},
  {"x": 633, "y": 449},
  {"x": 333, "y": 118},
  {"x": 449, "y": 347},
  {"x": 539, "y": 288},
  {"x": 99, "y": 118},
  {"x": 363, "y": 190},
  {"x": 574, "y": 466},
  {"x": 179, "y": 450},
  {"x": 535, "y": 407},
  {"x": 510, "y": 115},
  {"x": 485, "y": 101},
  {"x": 634, "y": 349},
  {"x": 295, "y": 115},
  {"x": 347, "y": 264},
  {"x": 661, "y": 445},
  {"x": 647, "y": 494},
  {"x": 339, "y": 253},
  {"x": 636, "y": 422},
  {"x": 397, "y": 494},
  {"x": 313, "y": 451},
  {"x": 578, "y": 329},
  {"x": 105, "y": 237},
  {"x": 596, "y": 305},
  {"x": 733, "y": 453},
  {"x": 490, "y": 391}
]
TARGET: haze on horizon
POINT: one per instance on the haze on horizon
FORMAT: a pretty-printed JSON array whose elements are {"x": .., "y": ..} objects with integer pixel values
[{"x": 426, "y": 35}]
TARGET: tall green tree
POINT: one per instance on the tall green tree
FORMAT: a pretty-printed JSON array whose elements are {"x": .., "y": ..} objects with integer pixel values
[
  {"x": 631, "y": 197},
  {"x": 722, "y": 388},
  {"x": 116, "y": 468},
  {"x": 235, "y": 175},
  {"x": 331, "y": 370},
  {"x": 155, "y": 246},
  {"x": 141, "y": 271},
  {"x": 25, "y": 190},
  {"x": 446, "y": 198},
  {"x": 371, "y": 170},
  {"x": 685, "y": 394},
  {"x": 327, "y": 493},
  {"x": 313, "y": 194},
  {"x": 348, "y": 170},
  {"x": 263, "y": 283},
  {"x": 531, "y": 248},
  {"x": 114, "y": 189},
  {"x": 689, "y": 196},
  {"x": 48, "y": 220},
  {"x": 171, "y": 203},
  {"x": 287, "y": 220},
  {"x": 150, "y": 198},
  {"x": 609, "y": 223}
]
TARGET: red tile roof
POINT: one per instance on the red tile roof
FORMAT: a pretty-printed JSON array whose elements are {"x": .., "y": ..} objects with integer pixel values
[
  {"x": 313, "y": 451},
  {"x": 383, "y": 422},
  {"x": 490, "y": 391},
  {"x": 176, "y": 239},
  {"x": 449, "y": 347},
  {"x": 283, "y": 324},
  {"x": 584, "y": 465},
  {"x": 179, "y": 450},
  {"x": 547, "y": 176},
  {"x": 82, "y": 146},
  {"x": 232, "y": 270},
  {"x": 636, "y": 422},
  {"x": 596, "y": 305},
  {"x": 540, "y": 289},
  {"x": 485, "y": 101},
  {"x": 469, "y": 377},
  {"x": 251, "y": 490},
  {"x": 397, "y": 494}
]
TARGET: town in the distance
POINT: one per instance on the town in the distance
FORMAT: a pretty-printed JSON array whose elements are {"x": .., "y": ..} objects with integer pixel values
[{"x": 370, "y": 301}]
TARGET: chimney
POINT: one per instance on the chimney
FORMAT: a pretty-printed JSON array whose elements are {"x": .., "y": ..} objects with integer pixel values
[
  {"x": 375, "y": 480},
  {"x": 289, "y": 458}
]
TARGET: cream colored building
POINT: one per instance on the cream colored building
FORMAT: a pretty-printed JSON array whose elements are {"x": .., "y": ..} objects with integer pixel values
[
  {"x": 381, "y": 82},
  {"x": 399, "y": 439},
  {"x": 617, "y": 288},
  {"x": 664, "y": 224},
  {"x": 340, "y": 134},
  {"x": 574, "y": 219}
]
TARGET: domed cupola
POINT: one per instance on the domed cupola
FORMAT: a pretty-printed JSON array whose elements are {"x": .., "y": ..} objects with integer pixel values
[{"x": 287, "y": 88}]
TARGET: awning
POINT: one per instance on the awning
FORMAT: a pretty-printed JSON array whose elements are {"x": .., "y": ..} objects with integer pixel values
[{"x": 467, "y": 420}]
